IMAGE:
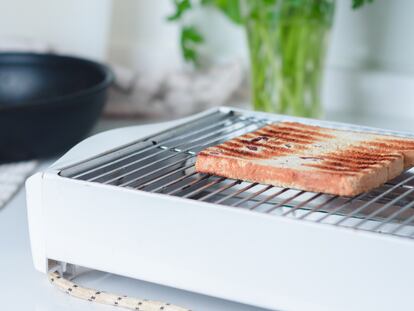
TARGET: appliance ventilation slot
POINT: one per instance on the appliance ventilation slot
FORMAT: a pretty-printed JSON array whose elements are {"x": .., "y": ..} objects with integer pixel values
[{"x": 164, "y": 164}]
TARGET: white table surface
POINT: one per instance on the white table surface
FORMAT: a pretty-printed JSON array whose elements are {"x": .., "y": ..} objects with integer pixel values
[{"x": 23, "y": 288}]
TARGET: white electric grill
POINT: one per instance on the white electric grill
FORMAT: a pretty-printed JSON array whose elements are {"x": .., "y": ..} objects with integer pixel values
[{"x": 141, "y": 210}]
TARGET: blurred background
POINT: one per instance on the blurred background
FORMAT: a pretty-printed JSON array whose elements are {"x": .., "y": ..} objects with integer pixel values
[
  {"x": 142, "y": 74},
  {"x": 369, "y": 73}
]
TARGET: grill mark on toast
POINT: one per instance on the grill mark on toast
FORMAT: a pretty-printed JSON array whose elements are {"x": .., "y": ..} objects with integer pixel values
[
  {"x": 398, "y": 141},
  {"x": 260, "y": 138},
  {"x": 356, "y": 160},
  {"x": 294, "y": 138},
  {"x": 269, "y": 150},
  {"x": 366, "y": 153},
  {"x": 209, "y": 152},
  {"x": 267, "y": 153},
  {"x": 370, "y": 153},
  {"x": 268, "y": 147},
  {"x": 268, "y": 136},
  {"x": 304, "y": 126},
  {"x": 254, "y": 137},
  {"x": 253, "y": 142},
  {"x": 233, "y": 152},
  {"x": 280, "y": 146},
  {"x": 277, "y": 131},
  {"x": 349, "y": 154},
  {"x": 299, "y": 134},
  {"x": 350, "y": 165},
  {"x": 314, "y": 133},
  {"x": 320, "y": 131},
  {"x": 352, "y": 160},
  {"x": 333, "y": 168},
  {"x": 272, "y": 145},
  {"x": 390, "y": 145}
]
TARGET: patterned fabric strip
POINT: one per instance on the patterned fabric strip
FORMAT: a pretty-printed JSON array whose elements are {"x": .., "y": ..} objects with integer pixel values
[{"x": 108, "y": 298}]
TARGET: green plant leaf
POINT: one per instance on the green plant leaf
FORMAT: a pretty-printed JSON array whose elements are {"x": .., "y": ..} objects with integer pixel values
[
  {"x": 190, "y": 38},
  {"x": 358, "y": 3},
  {"x": 230, "y": 8},
  {"x": 191, "y": 33},
  {"x": 181, "y": 6}
]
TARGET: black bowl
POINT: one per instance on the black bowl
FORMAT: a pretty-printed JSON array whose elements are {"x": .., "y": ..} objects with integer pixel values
[{"x": 48, "y": 103}]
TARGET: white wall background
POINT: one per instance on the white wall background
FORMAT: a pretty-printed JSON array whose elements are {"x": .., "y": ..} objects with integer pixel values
[
  {"x": 141, "y": 37},
  {"x": 74, "y": 26},
  {"x": 370, "y": 66},
  {"x": 378, "y": 36}
]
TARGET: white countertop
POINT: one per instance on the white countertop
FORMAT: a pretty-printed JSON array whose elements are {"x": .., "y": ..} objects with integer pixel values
[{"x": 23, "y": 288}]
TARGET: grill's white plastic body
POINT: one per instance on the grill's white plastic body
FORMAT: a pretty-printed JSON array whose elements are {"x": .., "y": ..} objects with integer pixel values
[{"x": 259, "y": 259}]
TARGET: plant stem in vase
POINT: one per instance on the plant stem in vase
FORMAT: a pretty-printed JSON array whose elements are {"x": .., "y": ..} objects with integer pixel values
[{"x": 287, "y": 42}]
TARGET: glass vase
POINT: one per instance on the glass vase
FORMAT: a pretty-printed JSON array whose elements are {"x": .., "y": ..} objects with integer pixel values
[{"x": 287, "y": 44}]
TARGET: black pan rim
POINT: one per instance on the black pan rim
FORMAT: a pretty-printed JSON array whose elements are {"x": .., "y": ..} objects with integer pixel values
[{"x": 56, "y": 100}]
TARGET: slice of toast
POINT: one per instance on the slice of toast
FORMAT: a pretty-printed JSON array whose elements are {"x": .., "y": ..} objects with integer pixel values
[{"x": 310, "y": 158}]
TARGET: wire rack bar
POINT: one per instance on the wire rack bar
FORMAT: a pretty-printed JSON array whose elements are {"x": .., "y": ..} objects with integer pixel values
[
  {"x": 164, "y": 176},
  {"x": 219, "y": 190},
  {"x": 175, "y": 181},
  {"x": 318, "y": 207},
  {"x": 191, "y": 183},
  {"x": 302, "y": 204},
  {"x": 201, "y": 189},
  {"x": 251, "y": 196},
  {"x": 285, "y": 201},
  {"x": 268, "y": 198},
  {"x": 236, "y": 194}
]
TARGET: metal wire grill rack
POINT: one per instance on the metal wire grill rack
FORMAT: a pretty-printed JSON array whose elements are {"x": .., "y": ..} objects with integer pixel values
[{"x": 164, "y": 163}]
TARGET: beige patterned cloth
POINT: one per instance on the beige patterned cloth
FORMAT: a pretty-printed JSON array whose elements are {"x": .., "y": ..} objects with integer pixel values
[{"x": 93, "y": 295}]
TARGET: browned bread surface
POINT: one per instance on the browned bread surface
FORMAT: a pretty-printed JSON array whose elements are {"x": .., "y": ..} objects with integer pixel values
[{"x": 310, "y": 158}]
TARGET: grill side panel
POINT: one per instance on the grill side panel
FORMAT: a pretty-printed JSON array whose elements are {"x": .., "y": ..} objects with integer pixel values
[{"x": 273, "y": 262}]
